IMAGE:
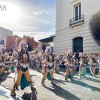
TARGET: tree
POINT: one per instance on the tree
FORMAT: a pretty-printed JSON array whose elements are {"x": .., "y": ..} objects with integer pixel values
[{"x": 95, "y": 27}]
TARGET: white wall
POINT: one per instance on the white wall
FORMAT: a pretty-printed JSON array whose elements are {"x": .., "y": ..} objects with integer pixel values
[
  {"x": 63, "y": 14},
  {"x": 65, "y": 34},
  {"x": 3, "y": 34}
]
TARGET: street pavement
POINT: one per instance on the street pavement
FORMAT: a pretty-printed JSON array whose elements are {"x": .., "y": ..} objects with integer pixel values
[{"x": 87, "y": 88}]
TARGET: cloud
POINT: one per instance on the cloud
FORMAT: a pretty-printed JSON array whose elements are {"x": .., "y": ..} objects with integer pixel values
[
  {"x": 36, "y": 16},
  {"x": 37, "y": 35},
  {"x": 37, "y": 12}
]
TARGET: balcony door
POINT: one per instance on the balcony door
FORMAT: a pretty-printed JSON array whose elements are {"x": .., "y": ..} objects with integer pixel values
[{"x": 77, "y": 12}]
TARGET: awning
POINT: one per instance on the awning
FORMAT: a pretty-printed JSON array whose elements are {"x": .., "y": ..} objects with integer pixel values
[{"x": 49, "y": 39}]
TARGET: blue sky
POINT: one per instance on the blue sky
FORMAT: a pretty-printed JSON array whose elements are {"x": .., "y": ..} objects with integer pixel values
[{"x": 35, "y": 17}]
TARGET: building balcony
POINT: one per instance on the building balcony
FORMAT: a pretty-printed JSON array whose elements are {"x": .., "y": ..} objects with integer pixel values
[{"x": 76, "y": 20}]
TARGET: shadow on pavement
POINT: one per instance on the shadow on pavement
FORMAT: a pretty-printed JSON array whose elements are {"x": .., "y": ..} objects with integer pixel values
[
  {"x": 86, "y": 85},
  {"x": 62, "y": 93},
  {"x": 16, "y": 98},
  {"x": 91, "y": 79},
  {"x": 61, "y": 74},
  {"x": 2, "y": 92},
  {"x": 59, "y": 81},
  {"x": 29, "y": 96},
  {"x": 4, "y": 77}
]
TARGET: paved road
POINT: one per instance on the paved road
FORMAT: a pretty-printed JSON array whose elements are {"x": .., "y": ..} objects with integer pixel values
[{"x": 80, "y": 89}]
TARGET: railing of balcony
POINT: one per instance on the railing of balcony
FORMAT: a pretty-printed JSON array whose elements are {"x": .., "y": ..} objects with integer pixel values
[{"x": 76, "y": 20}]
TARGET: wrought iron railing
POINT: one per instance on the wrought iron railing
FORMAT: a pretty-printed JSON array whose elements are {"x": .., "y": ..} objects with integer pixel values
[{"x": 76, "y": 20}]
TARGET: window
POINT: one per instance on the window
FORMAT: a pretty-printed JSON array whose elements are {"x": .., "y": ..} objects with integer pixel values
[
  {"x": 1, "y": 42},
  {"x": 78, "y": 18},
  {"x": 77, "y": 12}
]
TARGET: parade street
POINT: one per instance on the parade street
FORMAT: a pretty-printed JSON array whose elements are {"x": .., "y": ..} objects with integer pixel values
[{"x": 87, "y": 88}]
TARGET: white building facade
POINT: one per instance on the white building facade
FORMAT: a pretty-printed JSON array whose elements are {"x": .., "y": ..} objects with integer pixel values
[
  {"x": 72, "y": 26},
  {"x": 3, "y": 34}
]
